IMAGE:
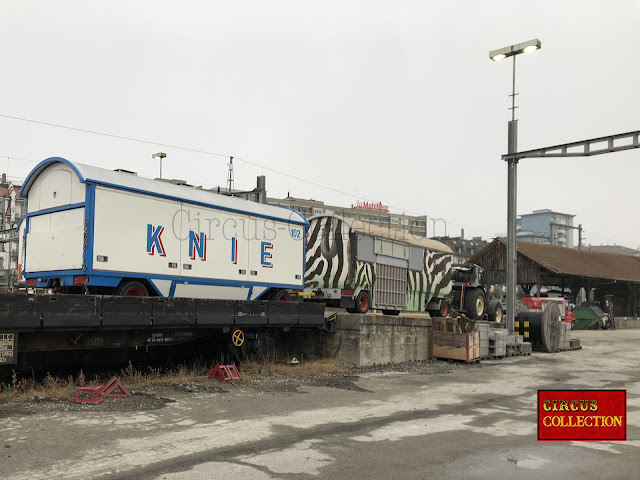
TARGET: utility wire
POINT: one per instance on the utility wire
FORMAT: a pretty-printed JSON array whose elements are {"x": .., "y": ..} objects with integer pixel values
[{"x": 205, "y": 152}]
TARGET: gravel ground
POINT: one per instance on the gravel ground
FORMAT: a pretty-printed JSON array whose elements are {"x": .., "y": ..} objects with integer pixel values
[{"x": 157, "y": 396}]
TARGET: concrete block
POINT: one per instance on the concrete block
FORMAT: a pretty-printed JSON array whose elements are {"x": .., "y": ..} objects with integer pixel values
[{"x": 375, "y": 339}]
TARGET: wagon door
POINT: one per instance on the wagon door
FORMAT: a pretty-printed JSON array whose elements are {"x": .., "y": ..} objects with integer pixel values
[{"x": 392, "y": 264}]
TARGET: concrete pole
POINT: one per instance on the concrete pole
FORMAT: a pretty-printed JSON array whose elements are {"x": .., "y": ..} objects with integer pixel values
[{"x": 512, "y": 196}]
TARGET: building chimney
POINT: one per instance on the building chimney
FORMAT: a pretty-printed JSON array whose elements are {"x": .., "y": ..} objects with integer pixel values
[
  {"x": 4, "y": 178},
  {"x": 262, "y": 189},
  {"x": 462, "y": 233}
]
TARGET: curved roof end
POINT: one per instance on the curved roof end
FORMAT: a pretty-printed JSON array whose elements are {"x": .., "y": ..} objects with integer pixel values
[{"x": 38, "y": 169}]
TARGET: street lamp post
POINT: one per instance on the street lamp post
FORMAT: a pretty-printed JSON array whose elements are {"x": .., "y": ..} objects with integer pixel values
[
  {"x": 159, "y": 156},
  {"x": 512, "y": 176}
]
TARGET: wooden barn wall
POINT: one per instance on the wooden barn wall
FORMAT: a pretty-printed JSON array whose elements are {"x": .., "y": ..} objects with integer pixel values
[{"x": 494, "y": 264}]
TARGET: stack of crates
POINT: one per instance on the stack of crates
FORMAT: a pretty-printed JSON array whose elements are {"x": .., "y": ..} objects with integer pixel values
[
  {"x": 483, "y": 328},
  {"x": 497, "y": 342}
]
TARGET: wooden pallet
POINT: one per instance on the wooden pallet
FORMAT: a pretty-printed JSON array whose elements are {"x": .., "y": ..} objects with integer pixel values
[
  {"x": 568, "y": 349},
  {"x": 455, "y": 346},
  {"x": 455, "y": 360}
]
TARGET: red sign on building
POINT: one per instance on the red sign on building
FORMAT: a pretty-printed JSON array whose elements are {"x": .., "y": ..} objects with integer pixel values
[{"x": 372, "y": 206}]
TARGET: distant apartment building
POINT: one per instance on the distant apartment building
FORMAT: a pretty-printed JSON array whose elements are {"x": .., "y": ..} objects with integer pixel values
[
  {"x": 463, "y": 248},
  {"x": 369, "y": 212},
  {"x": 13, "y": 209},
  {"x": 546, "y": 226},
  {"x": 617, "y": 249}
]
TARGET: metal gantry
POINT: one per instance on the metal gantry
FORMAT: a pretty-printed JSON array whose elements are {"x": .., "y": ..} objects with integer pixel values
[{"x": 584, "y": 148}]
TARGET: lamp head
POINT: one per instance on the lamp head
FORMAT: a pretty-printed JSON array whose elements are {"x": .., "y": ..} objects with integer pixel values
[{"x": 518, "y": 48}]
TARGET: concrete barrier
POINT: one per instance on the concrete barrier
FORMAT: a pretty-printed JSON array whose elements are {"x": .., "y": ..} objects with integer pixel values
[
  {"x": 370, "y": 339},
  {"x": 627, "y": 322}
]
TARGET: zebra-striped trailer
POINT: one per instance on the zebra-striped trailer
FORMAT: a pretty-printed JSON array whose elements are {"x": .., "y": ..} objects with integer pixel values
[{"x": 361, "y": 266}]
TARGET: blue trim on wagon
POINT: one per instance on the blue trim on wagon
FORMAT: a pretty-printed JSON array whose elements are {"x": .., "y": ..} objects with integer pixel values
[
  {"x": 56, "y": 209},
  {"x": 38, "y": 169},
  {"x": 113, "y": 279},
  {"x": 89, "y": 219},
  {"x": 198, "y": 204}
]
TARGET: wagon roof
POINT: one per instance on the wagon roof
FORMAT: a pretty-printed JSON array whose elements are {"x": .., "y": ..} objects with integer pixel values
[
  {"x": 391, "y": 234},
  {"x": 132, "y": 182}
]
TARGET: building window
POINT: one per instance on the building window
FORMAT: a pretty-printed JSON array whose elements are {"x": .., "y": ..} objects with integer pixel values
[
  {"x": 302, "y": 210},
  {"x": 317, "y": 211},
  {"x": 405, "y": 221},
  {"x": 394, "y": 221}
]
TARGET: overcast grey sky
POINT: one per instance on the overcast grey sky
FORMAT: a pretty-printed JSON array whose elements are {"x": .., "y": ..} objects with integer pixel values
[{"x": 390, "y": 101}]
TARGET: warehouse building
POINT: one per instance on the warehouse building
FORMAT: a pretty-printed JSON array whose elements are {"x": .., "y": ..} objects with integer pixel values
[{"x": 595, "y": 273}]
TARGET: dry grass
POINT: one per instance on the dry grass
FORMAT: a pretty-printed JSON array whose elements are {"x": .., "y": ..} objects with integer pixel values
[
  {"x": 56, "y": 388},
  {"x": 267, "y": 367}
]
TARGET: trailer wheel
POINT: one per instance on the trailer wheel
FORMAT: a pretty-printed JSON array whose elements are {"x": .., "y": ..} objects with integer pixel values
[
  {"x": 281, "y": 296},
  {"x": 494, "y": 311},
  {"x": 132, "y": 289},
  {"x": 362, "y": 302},
  {"x": 475, "y": 303}
]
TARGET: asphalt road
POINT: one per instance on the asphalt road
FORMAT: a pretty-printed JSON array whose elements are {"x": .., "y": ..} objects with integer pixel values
[{"x": 474, "y": 422}]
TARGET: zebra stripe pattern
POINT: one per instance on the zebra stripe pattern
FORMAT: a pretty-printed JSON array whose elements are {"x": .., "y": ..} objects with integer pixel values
[{"x": 328, "y": 252}]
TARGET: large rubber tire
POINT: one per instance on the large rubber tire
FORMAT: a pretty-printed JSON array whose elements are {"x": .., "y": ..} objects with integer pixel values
[
  {"x": 499, "y": 315},
  {"x": 494, "y": 311},
  {"x": 132, "y": 289},
  {"x": 475, "y": 303},
  {"x": 393, "y": 313},
  {"x": 281, "y": 296},
  {"x": 363, "y": 302}
]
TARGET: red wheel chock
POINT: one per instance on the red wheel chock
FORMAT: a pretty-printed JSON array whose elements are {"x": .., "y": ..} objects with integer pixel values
[
  {"x": 94, "y": 395},
  {"x": 224, "y": 373}
]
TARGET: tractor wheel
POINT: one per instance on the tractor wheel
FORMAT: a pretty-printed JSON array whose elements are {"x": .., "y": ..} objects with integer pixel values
[
  {"x": 132, "y": 289},
  {"x": 362, "y": 302},
  {"x": 475, "y": 303}
]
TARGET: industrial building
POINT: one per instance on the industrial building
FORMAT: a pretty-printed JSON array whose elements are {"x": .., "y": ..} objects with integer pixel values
[{"x": 369, "y": 212}]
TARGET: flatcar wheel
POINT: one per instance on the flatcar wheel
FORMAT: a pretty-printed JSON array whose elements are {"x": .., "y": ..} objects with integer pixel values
[
  {"x": 281, "y": 296},
  {"x": 132, "y": 289}
]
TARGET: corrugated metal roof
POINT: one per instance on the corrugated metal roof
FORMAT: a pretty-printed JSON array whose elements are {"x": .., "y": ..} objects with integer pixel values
[{"x": 567, "y": 261}]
